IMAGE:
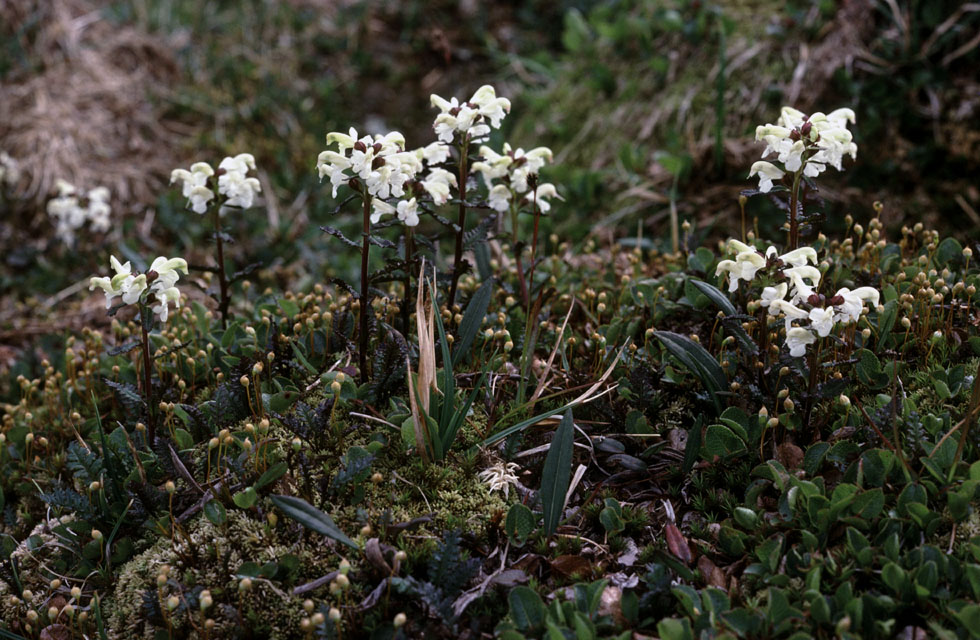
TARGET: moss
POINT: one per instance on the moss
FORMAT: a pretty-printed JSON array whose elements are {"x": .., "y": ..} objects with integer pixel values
[{"x": 269, "y": 608}]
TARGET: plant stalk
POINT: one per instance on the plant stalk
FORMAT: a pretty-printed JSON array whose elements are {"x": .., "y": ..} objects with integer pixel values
[
  {"x": 224, "y": 300},
  {"x": 147, "y": 385},
  {"x": 458, "y": 258},
  {"x": 794, "y": 224},
  {"x": 365, "y": 250}
]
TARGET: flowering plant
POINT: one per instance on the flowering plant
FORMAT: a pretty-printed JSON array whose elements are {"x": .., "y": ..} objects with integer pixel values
[
  {"x": 153, "y": 290},
  {"x": 789, "y": 290},
  {"x": 71, "y": 209},
  {"x": 238, "y": 190},
  {"x": 804, "y": 145}
]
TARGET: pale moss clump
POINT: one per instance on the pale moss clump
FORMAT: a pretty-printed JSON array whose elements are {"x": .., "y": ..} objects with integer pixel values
[
  {"x": 30, "y": 564},
  {"x": 217, "y": 554},
  {"x": 458, "y": 499}
]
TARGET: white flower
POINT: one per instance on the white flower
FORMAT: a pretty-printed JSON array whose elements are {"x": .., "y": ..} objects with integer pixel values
[
  {"x": 802, "y": 289},
  {"x": 9, "y": 169},
  {"x": 344, "y": 141},
  {"x": 822, "y": 321},
  {"x": 541, "y": 194},
  {"x": 194, "y": 185},
  {"x": 434, "y": 153},
  {"x": 240, "y": 163},
  {"x": 130, "y": 286},
  {"x": 788, "y": 309},
  {"x": 239, "y": 190},
  {"x": 70, "y": 215},
  {"x": 99, "y": 209},
  {"x": 773, "y": 294},
  {"x": 335, "y": 165},
  {"x": 799, "y": 257},
  {"x": 499, "y": 198},
  {"x": 490, "y": 105},
  {"x": 437, "y": 184},
  {"x": 767, "y": 172},
  {"x": 469, "y": 118},
  {"x": 744, "y": 267},
  {"x": 797, "y": 340},
  {"x": 380, "y": 208},
  {"x": 408, "y": 212},
  {"x": 233, "y": 183},
  {"x": 500, "y": 476},
  {"x": 199, "y": 198},
  {"x": 852, "y": 306},
  {"x": 164, "y": 297}
]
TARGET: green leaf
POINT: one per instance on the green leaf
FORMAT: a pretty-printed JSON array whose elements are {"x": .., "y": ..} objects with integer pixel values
[
  {"x": 215, "y": 512},
  {"x": 312, "y": 518},
  {"x": 526, "y": 608},
  {"x": 469, "y": 326},
  {"x": 715, "y": 295},
  {"x": 611, "y": 521},
  {"x": 289, "y": 307},
  {"x": 698, "y": 361},
  {"x": 520, "y": 523},
  {"x": 746, "y": 518},
  {"x": 675, "y": 629},
  {"x": 969, "y": 617},
  {"x": 271, "y": 474},
  {"x": 721, "y": 441},
  {"x": 246, "y": 499},
  {"x": 557, "y": 472}
]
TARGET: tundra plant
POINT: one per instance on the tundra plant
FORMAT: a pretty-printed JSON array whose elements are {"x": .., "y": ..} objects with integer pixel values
[
  {"x": 237, "y": 190},
  {"x": 460, "y": 124},
  {"x": 804, "y": 145},
  {"x": 375, "y": 168},
  {"x": 71, "y": 209},
  {"x": 516, "y": 174},
  {"x": 153, "y": 291}
]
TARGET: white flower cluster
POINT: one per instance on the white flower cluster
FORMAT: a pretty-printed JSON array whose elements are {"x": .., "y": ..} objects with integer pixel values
[
  {"x": 514, "y": 168},
  {"x": 234, "y": 183},
  {"x": 500, "y": 476},
  {"x": 469, "y": 119},
  {"x": 802, "y": 142},
  {"x": 71, "y": 209},
  {"x": 799, "y": 282},
  {"x": 9, "y": 169},
  {"x": 159, "y": 281},
  {"x": 381, "y": 161}
]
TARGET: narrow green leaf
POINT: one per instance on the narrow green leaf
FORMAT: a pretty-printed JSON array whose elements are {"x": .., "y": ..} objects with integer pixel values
[
  {"x": 697, "y": 359},
  {"x": 557, "y": 473},
  {"x": 469, "y": 327},
  {"x": 312, "y": 518},
  {"x": 715, "y": 295}
]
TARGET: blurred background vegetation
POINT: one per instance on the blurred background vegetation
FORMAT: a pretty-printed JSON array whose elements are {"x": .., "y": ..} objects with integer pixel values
[{"x": 643, "y": 101}]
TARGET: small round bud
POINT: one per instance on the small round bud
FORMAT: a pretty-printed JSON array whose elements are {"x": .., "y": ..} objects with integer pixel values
[
  {"x": 96, "y": 534},
  {"x": 308, "y": 606},
  {"x": 400, "y": 620},
  {"x": 170, "y": 487},
  {"x": 335, "y": 387},
  {"x": 245, "y": 584},
  {"x": 172, "y": 603},
  {"x": 844, "y": 400},
  {"x": 334, "y": 614},
  {"x": 244, "y": 381}
]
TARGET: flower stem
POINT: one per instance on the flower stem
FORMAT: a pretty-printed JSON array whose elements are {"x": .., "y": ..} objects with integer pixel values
[
  {"x": 147, "y": 386},
  {"x": 407, "y": 302},
  {"x": 534, "y": 240},
  {"x": 365, "y": 251},
  {"x": 224, "y": 300},
  {"x": 794, "y": 225},
  {"x": 458, "y": 258}
]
